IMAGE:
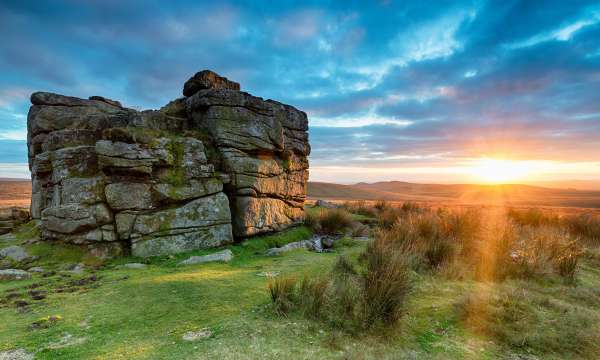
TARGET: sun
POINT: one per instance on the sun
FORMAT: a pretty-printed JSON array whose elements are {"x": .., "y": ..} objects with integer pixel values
[{"x": 499, "y": 171}]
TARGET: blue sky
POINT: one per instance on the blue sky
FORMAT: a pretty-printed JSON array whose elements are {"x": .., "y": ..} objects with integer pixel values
[{"x": 408, "y": 90}]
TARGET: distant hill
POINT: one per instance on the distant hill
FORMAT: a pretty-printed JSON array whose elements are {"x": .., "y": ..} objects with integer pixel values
[
  {"x": 15, "y": 192},
  {"x": 570, "y": 184},
  {"x": 513, "y": 194}
]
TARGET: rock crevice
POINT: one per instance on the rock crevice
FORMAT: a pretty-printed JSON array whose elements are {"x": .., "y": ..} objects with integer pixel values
[{"x": 214, "y": 165}]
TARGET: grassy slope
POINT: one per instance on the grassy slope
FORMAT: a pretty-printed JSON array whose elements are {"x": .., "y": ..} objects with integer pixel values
[{"x": 142, "y": 314}]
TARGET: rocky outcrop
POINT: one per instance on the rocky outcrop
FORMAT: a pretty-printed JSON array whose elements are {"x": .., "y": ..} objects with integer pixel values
[
  {"x": 11, "y": 217},
  {"x": 216, "y": 164}
]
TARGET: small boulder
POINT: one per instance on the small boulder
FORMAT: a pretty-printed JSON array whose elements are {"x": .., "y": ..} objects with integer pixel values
[
  {"x": 224, "y": 256},
  {"x": 36, "y": 269},
  {"x": 18, "y": 354},
  {"x": 325, "y": 204},
  {"x": 304, "y": 244},
  {"x": 76, "y": 268},
  {"x": 14, "y": 274},
  {"x": 15, "y": 253},
  {"x": 132, "y": 266},
  {"x": 197, "y": 335},
  {"x": 327, "y": 241}
]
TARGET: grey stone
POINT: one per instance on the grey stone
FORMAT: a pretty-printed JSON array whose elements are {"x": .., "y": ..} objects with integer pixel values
[
  {"x": 133, "y": 266},
  {"x": 197, "y": 335},
  {"x": 190, "y": 190},
  {"x": 222, "y": 256},
  {"x": 16, "y": 354},
  {"x": 14, "y": 274},
  {"x": 75, "y": 218},
  {"x": 36, "y": 269},
  {"x": 124, "y": 196},
  {"x": 304, "y": 244},
  {"x": 177, "y": 241},
  {"x": 15, "y": 253},
  {"x": 76, "y": 268},
  {"x": 325, "y": 204}
]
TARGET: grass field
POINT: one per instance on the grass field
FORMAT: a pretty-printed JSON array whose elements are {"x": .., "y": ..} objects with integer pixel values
[{"x": 112, "y": 313}]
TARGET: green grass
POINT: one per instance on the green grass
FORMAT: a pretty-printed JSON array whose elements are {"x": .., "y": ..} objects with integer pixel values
[{"x": 142, "y": 314}]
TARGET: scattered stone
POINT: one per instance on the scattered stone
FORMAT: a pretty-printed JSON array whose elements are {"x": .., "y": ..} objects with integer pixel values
[
  {"x": 76, "y": 268},
  {"x": 14, "y": 274},
  {"x": 132, "y": 266},
  {"x": 45, "y": 322},
  {"x": 66, "y": 341},
  {"x": 18, "y": 354},
  {"x": 15, "y": 253},
  {"x": 7, "y": 237},
  {"x": 327, "y": 241},
  {"x": 224, "y": 256},
  {"x": 325, "y": 204},
  {"x": 269, "y": 274},
  {"x": 38, "y": 294},
  {"x": 36, "y": 269},
  {"x": 304, "y": 244},
  {"x": 21, "y": 303},
  {"x": 83, "y": 281},
  {"x": 197, "y": 335},
  {"x": 12, "y": 295}
]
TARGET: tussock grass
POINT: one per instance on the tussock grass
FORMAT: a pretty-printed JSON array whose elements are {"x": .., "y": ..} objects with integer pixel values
[
  {"x": 329, "y": 221},
  {"x": 350, "y": 299}
]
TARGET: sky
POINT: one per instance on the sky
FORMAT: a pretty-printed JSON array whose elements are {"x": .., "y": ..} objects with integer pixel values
[{"x": 428, "y": 91}]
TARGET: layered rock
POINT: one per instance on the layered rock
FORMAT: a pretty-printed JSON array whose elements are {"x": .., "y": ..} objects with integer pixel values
[{"x": 215, "y": 164}]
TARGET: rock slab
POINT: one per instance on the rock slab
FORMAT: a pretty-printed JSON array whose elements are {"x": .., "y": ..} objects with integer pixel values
[
  {"x": 222, "y": 256},
  {"x": 14, "y": 274}
]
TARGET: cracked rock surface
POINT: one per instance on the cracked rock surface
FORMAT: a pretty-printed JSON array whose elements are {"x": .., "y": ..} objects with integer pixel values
[{"x": 206, "y": 168}]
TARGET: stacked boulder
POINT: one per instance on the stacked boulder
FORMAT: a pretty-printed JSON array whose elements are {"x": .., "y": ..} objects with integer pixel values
[{"x": 216, "y": 164}]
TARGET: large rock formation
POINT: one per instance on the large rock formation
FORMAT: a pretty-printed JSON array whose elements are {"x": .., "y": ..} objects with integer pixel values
[{"x": 216, "y": 164}]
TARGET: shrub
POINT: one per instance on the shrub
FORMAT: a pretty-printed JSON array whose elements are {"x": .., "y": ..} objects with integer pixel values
[
  {"x": 386, "y": 284},
  {"x": 312, "y": 294},
  {"x": 537, "y": 251},
  {"x": 410, "y": 206},
  {"x": 567, "y": 261},
  {"x": 282, "y": 291},
  {"x": 421, "y": 236},
  {"x": 360, "y": 207},
  {"x": 381, "y": 205},
  {"x": 328, "y": 221},
  {"x": 585, "y": 226},
  {"x": 532, "y": 217}
]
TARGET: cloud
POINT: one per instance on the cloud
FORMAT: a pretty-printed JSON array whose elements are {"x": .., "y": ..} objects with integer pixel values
[{"x": 407, "y": 83}]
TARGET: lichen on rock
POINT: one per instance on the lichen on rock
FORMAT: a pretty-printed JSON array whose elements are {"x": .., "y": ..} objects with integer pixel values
[{"x": 214, "y": 165}]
